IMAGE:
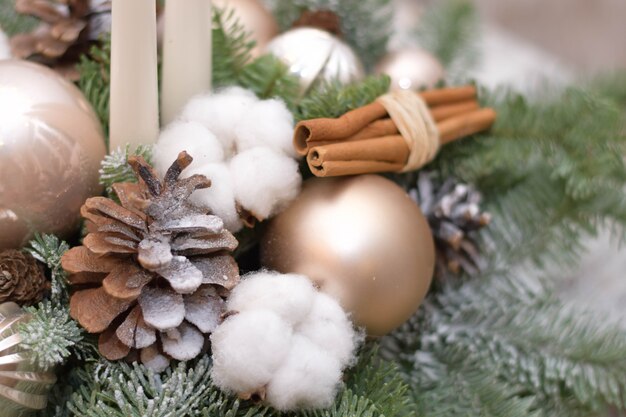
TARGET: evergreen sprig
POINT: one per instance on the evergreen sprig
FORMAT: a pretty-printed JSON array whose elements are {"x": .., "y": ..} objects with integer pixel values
[
  {"x": 95, "y": 79},
  {"x": 115, "y": 168},
  {"x": 49, "y": 249},
  {"x": 51, "y": 336},
  {"x": 549, "y": 171},
  {"x": 231, "y": 47},
  {"x": 334, "y": 99}
]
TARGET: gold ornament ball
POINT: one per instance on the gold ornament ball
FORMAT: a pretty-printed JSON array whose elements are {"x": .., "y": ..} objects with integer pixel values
[
  {"x": 254, "y": 18},
  {"x": 411, "y": 69},
  {"x": 362, "y": 240},
  {"x": 314, "y": 55},
  {"x": 23, "y": 387},
  {"x": 51, "y": 145}
]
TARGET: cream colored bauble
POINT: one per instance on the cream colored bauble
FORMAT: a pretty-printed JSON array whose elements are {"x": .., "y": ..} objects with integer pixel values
[
  {"x": 362, "y": 240},
  {"x": 51, "y": 145},
  {"x": 314, "y": 55},
  {"x": 411, "y": 69}
]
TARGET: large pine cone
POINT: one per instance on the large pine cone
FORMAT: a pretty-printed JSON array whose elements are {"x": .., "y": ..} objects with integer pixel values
[
  {"x": 22, "y": 278},
  {"x": 152, "y": 272}
]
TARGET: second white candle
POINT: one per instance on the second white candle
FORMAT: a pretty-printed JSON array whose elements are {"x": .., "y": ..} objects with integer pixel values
[{"x": 186, "y": 54}]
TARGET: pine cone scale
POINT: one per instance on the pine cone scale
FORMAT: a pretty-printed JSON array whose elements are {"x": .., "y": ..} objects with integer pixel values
[
  {"x": 95, "y": 310},
  {"x": 111, "y": 347}
]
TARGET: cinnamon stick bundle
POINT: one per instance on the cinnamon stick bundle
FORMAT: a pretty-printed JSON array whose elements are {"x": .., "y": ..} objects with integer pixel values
[{"x": 367, "y": 139}]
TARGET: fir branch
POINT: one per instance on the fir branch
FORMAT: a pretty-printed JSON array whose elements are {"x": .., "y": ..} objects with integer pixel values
[
  {"x": 268, "y": 77},
  {"x": 231, "y": 47},
  {"x": 369, "y": 40},
  {"x": 49, "y": 249},
  {"x": 548, "y": 171},
  {"x": 449, "y": 29},
  {"x": 51, "y": 336},
  {"x": 334, "y": 99},
  {"x": 114, "y": 168},
  {"x": 95, "y": 78}
]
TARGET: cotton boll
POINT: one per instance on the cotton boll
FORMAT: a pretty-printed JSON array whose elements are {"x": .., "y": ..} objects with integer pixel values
[
  {"x": 264, "y": 181},
  {"x": 309, "y": 378},
  {"x": 328, "y": 326},
  {"x": 219, "y": 198},
  {"x": 220, "y": 113},
  {"x": 248, "y": 348},
  {"x": 188, "y": 136},
  {"x": 288, "y": 295},
  {"x": 267, "y": 123}
]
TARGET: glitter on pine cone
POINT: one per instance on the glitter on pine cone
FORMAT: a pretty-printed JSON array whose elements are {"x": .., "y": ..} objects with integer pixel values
[
  {"x": 22, "y": 279},
  {"x": 152, "y": 271},
  {"x": 68, "y": 28},
  {"x": 454, "y": 214}
]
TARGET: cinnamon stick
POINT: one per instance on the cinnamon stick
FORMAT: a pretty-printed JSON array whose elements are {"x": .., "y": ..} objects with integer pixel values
[
  {"x": 326, "y": 129},
  {"x": 448, "y": 95},
  {"x": 376, "y": 129},
  {"x": 339, "y": 168},
  {"x": 465, "y": 125},
  {"x": 443, "y": 112},
  {"x": 383, "y": 149}
]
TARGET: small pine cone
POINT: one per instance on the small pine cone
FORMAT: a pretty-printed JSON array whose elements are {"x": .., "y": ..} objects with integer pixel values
[
  {"x": 22, "y": 278},
  {"x": 68, "y": 28},
  {"x": 454, "y": 214},
  {"x": 152, "y": 273}
]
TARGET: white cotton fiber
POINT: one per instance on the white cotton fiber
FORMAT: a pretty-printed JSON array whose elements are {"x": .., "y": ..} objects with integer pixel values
[
  {"x": 252, "y": 138},
  {"x": 248, "y": 348},
  {"x": 192, "y": 137},
  {"x": 264, "y": 180},
  {"x": 290, "y": 296},
  {"x": 220, "y": 113},
  {"x": 267, "y": 123},
  {"x": 308, "y": 378},
  {"x": 328, "y": 327},
  {"x": 307, "y": 371},
  {"x": 219, "y": 198}
]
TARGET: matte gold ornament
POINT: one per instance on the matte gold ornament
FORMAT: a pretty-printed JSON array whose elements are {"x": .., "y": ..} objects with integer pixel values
[
  {"x": 23, "y": 387},
  {"x": 361, "y": 239},
  {"x": 314, "y": 55},
  {"x": 51, "y": 145},
  {"x": 254, "y": 18},
  {"x": 411, "y": 69}
]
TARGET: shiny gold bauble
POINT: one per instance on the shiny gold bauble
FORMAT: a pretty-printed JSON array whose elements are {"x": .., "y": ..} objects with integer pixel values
[
  {"x": 254, "y": 18},
  {"x": 411, "y": 69},
  {"x": 51, "y": 145},
  {"x": 23, "y": 387},
  {"x": 314, "y": 55},
  {"x": 362, "y": 240}
]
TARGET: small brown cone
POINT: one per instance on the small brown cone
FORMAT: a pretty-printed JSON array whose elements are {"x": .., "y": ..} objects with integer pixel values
[{"x": 22, "y": 278}]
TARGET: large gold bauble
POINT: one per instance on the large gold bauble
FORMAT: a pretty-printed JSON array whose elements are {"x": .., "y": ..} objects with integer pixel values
[
  {"x": 51, "y": 145},
  {"x": 255, "y": 19},
  {"x": 411, "y": 69},
  {"x": 314, "y": 55},
  {"x": 362, "y": 240},
  {"x": 23, "y": 387}
]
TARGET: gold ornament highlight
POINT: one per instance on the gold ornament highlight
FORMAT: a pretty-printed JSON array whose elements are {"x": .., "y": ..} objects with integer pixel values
[
  {"x": 361, "y": 239},
  {"x": 411, "y": 69},
  {"x": 314, "y": 55},
  {"x": 51, "y": 145},
  {"x": 23, "y": 388}
]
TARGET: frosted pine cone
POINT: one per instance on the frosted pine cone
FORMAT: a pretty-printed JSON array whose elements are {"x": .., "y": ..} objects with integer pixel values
[
  {"x": 152, "y": 272},
  {"x": 454, "y": 214}
]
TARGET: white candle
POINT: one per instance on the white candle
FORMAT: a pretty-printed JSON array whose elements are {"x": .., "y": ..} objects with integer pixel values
[
  {"x": 134, "y": 105},
  {"x": 186, "y": 54}
]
